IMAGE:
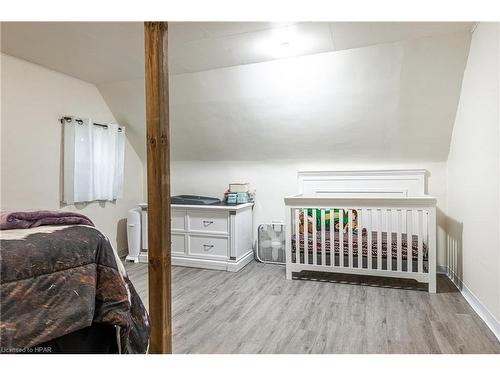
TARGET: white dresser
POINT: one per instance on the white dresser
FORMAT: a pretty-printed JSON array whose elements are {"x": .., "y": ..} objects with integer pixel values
[{"x": 216, "y": 236}]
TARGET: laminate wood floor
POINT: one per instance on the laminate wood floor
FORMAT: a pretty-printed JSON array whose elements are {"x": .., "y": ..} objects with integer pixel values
[{"x": 257, "y": 311}]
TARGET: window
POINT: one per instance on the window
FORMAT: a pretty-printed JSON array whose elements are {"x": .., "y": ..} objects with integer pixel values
[{"x": 94, "y": 158}]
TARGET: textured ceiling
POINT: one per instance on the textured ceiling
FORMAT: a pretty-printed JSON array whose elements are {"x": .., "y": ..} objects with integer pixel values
[
  {"x": 356, "y": 90},
  {"x": 384, "y": 102},
  {"x": 100, "y": 52},
  {"x": 198, "y": 46},
  {"x": 92, "y": 51}
]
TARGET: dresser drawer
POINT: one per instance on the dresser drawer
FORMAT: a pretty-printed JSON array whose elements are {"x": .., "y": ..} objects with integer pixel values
[
  {"x": 208, "y": 221},
  {"x": 178, "y": 219},
  {"x": 208, "y": 247},
  {"x": 178, "y": 244}
]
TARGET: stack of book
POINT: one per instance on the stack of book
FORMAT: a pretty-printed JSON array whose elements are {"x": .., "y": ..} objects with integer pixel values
[
  {"x": 239, "y": 187},
  {"x": 238, "y": 193}
]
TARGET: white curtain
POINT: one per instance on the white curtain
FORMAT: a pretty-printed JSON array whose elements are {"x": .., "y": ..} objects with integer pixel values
[{"x": 94, "y": 159}]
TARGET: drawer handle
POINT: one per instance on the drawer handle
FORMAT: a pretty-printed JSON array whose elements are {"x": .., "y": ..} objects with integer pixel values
[
  {"x": 207, "y": 247},
  {"x": 207, "y": 222}
]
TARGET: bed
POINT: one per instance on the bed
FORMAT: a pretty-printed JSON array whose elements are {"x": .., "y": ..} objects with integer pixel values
[
  {"x": 385, "y": 214},
  {"x": 63, "y": 287}
]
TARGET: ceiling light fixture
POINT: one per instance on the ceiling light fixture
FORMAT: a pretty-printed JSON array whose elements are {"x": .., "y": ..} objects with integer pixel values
[{"x": 283, "y": 42}]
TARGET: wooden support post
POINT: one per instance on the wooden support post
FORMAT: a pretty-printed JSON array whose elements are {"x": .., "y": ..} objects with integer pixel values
[{"x": 158, "y": 161}]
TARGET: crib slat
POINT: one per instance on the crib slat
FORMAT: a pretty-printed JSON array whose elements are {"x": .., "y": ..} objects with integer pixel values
[
  {"x": 409, "y": 241},
  {"x": 360, "y": 239},
  {"x": 314, "y": 238},
  {"x": 369, "y": 239},
  {"x": 332, "y": 238},
  {"x": 455, "y": 257},
  {"x": 420, "y": 245},
  {"x": 453, "y": 250},
  {"x": 399, "y": 230},
  {"x": 454, "y": 247},
  {"x": 341, "y": 237},
  {"x": 389, "y": 239},
  {"x": 448, "y": 257},
  {"x": 350, "y": 237},
  {"x": 297, "y": 235},
  {"x": 323, "y": 236},
  {"x": 306, "y": 237},
  {"x": 379, "y": 239}
]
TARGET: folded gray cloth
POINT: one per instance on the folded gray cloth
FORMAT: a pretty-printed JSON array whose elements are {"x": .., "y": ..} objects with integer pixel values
[{"x": 31, "y": 219}]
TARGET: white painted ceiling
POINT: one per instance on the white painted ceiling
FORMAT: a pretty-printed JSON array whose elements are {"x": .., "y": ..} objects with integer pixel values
[
  {"x": 101, "y": 52},
  {"x": 393, "y": 101},
  {"x": 92, "y": 51},
  {"x": 198, "y": 46},
  {"x": 394, "y": 98}
]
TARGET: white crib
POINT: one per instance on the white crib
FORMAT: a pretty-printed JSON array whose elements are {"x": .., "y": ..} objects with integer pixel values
[{"x": 396, "y": 225}]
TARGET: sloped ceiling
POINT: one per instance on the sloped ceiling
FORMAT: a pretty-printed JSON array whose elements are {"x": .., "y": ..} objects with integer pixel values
[
  {"x": 391, "y": 101},
  {"x": 95, "y": 52},
  {"x": 198, "y": 46},
  {"x": 100, "y": 52},
  {"x": 358, "y": 90}
]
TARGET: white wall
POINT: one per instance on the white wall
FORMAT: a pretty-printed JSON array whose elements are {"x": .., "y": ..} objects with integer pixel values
[
  {"x": 274, "y": 179},
  {"x": 127, "y": 101},
  {"x": 33, "y": 99},
  {"x": 473, "y": 173}
]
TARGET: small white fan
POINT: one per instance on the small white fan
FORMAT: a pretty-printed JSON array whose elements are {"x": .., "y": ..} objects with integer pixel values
[{"x": 271, "y": 243}]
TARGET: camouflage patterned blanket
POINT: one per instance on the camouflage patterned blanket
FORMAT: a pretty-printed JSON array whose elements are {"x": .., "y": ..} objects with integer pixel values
[{"x": 55, "y": 280}]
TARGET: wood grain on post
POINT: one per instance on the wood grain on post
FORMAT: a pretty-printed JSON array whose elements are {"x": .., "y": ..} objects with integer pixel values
[{"x": 158, "y": 169}]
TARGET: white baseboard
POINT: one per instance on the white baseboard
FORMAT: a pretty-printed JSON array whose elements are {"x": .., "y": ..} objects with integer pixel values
[
  {"x": 132, "y": 258},
  {"x": 235, "y": 266},
  {"x": 143, "y": 257},
  {"x": 481, "y": 310},
  {"x": 441, "y": 269},
  {"x": 222, "y": 265}
]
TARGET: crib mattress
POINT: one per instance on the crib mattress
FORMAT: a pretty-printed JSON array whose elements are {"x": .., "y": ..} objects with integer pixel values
[{"x": 394, "y": 251}]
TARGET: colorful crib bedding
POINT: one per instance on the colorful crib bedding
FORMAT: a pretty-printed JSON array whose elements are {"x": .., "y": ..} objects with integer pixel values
[{"x": 404, "y": 244}]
